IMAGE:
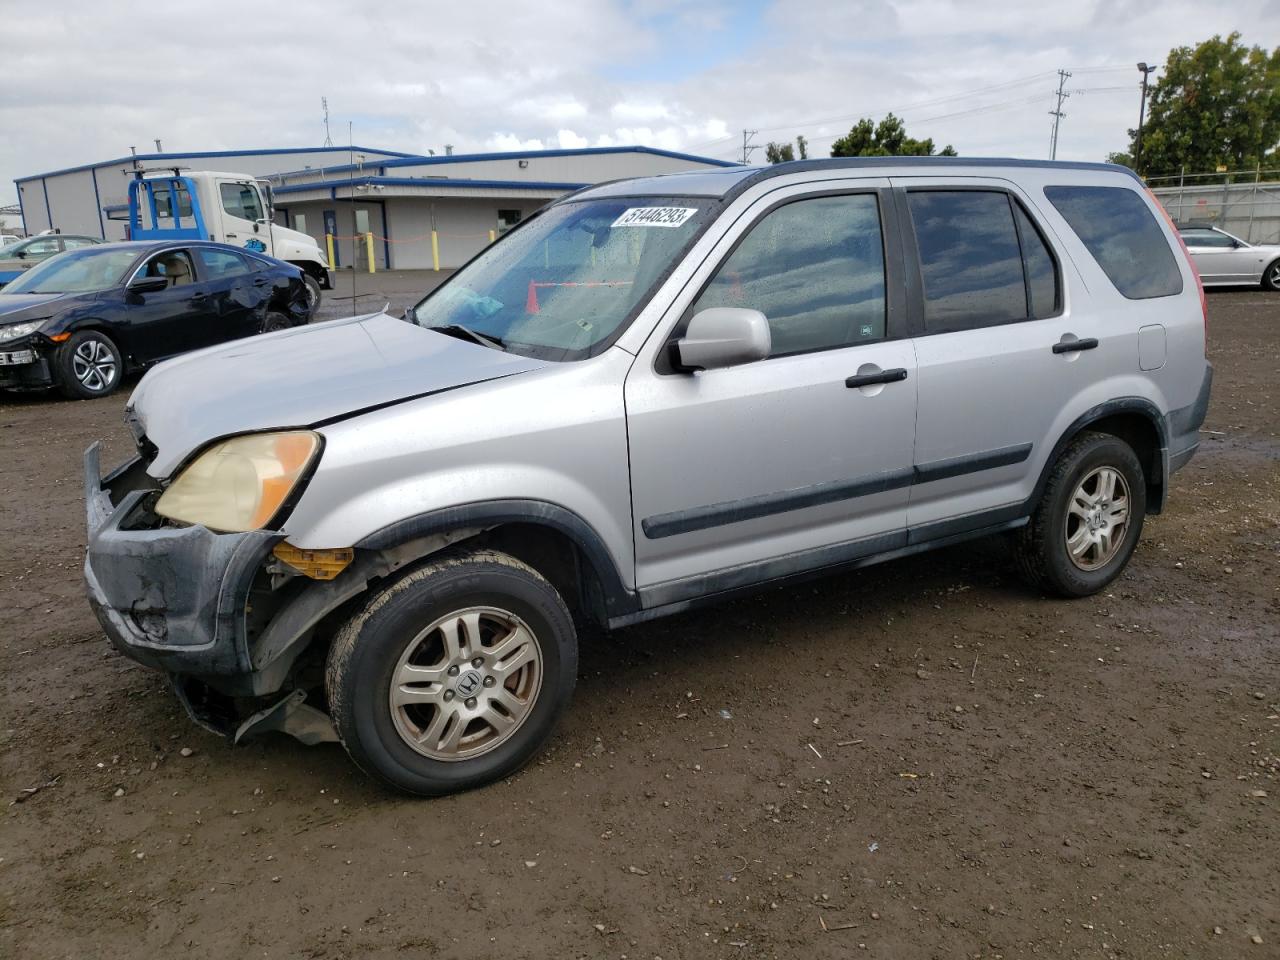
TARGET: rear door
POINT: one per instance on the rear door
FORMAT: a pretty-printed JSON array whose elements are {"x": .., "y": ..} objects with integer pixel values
[
  {"x": 1001, "y": 351},
  {"x": 747, "y": 473},
  {"x": 237, "y": 295},
  {"x": 243, "y": 215}
]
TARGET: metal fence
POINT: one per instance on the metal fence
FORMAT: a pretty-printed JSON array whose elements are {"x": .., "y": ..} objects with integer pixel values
[{"x": 1245, "y": 203}]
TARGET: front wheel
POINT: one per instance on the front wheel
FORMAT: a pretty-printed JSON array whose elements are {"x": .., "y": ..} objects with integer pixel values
[
  {"x": 1087, "y": 524},
  {"x": 1271, "y": 276},
  {"x": 453, "y": 676},
  {"x": 88, "y": 365},
  {"x": 313, "y": 294}
]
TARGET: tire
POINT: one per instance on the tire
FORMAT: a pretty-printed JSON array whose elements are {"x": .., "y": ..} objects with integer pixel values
[
  {"x": 313, "y": 294},
  {"x": 1061, "y": 521},
  {"x": 404, "y": 630},
  {"x": 88, "y": 366},
  {"x": 273, "y": 321},
  {"x": 1271, "y": 276}
]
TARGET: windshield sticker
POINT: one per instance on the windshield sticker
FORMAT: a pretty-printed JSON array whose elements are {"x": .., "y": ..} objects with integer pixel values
[{"x": 654, "y": 216}]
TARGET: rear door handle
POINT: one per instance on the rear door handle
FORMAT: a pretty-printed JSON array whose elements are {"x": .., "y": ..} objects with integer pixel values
[
  {"x": 871, "y": 379},
  {"x": 1071, "y": 346}
]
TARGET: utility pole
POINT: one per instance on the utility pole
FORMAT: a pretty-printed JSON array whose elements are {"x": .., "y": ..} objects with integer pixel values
[
  {"x": 324, "y": 103},
  {"x": 1142, "y": 109},
  {"x": 1057, "y": 113},
  {"x": 747, "y": 145}
]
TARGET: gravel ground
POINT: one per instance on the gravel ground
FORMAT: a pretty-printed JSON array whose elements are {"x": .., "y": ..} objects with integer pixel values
[{"x": 922, "y": 759}]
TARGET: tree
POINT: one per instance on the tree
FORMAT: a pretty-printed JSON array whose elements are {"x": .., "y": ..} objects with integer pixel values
[
  {"x": 1216, "y": 104},
  {"x": 886, "y": 139},
  {"x": 783, "y": 153},
  {"x": 778, "y": 152}
]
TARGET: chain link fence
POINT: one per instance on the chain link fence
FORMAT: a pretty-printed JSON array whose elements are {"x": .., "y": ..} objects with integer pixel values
[{"x": 1245, "y": 203}]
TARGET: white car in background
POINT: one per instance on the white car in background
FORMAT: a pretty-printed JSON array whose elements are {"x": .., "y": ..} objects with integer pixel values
[
  {"x": 8, "y": 238},
  {"x": 1225, "y": 260}
]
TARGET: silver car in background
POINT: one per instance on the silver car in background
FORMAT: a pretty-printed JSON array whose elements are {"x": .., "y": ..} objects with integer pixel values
[
  {"x": 653, "y": 394},
  {"x": 1225, "y": 260}
]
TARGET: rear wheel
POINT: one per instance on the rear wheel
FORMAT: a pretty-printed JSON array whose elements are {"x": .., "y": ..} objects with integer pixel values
[
  {"x": 88, "y": 365},
  {"x": 1089, "y": 518},
  {"x": 274, "y": 321},
  {"x": 1271, "y": 276},
  {"x": 453, "y": 676}
]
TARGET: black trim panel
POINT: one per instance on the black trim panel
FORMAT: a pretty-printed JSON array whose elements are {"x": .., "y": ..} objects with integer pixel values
[
  {"x": 971, "y": 463},
  {"x": 677, "y": 522},
  {"x": 766, "y": 505}
]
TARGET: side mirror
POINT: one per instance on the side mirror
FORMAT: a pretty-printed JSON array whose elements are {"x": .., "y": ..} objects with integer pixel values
[
  {"x": 722, "y": 337},
  {"x": 21, "y": 254},
  {"x": 147, "y": 284}
]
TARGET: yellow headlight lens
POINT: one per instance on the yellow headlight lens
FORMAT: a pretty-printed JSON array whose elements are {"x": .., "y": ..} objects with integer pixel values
[{"x": 240, "y": 484}]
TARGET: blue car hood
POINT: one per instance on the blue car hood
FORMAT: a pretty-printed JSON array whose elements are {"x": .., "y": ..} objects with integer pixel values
[
  {"x": 300, "y": 378},
  {"x": 14, "y": 303}
]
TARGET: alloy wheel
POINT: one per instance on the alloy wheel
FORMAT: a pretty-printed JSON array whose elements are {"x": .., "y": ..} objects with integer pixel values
[
  {"x": 466, "y": 683},
  {"x": 94, "y": 365},
  {"x": 1273, "y": 276},
  {"x": 1097, "y": 518}
]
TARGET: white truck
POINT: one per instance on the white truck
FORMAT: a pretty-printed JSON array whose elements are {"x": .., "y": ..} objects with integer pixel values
[{"x": 229, "y": 208}]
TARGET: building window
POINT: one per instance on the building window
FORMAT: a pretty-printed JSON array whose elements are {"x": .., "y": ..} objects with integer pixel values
[{"x": 507, "y": 219}]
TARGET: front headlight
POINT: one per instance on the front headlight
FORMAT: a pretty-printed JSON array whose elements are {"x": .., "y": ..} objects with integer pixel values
[
  {"x": 15, "y": 330},
  {"x": 241, "y": 483}
]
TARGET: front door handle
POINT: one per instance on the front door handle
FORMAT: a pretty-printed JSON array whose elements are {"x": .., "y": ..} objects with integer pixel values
[
  {"x": 1071, "y": 346},
  {"x": 871, "y": 379}
]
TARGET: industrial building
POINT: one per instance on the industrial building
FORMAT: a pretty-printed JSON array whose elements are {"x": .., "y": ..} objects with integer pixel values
[{"x": 422, "y": 211}]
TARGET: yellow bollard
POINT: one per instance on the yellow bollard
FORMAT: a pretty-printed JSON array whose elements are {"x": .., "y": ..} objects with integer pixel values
[
  {"x": 368, "y": 237},
  {"x": 493, "y": 235},
  {"x": 328, "y": 240},
  {"x": 435, "y": 251}
]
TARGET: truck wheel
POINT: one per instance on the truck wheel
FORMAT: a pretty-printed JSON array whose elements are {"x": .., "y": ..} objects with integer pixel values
[
  {"x": 453, "y": 676},
  {"x": 1271, "y": 276},
  {"x": 1089, "y": 518},
  {"x": 313, "y": 294},
  {"x": 88, "y": 365}
]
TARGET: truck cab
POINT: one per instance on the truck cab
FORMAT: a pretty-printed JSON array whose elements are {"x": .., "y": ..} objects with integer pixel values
[{"x": 227, "y": 208}]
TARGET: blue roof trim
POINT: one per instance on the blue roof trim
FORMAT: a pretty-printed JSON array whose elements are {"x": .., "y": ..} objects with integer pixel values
[
  {"x": 415, "y": 161},
  {"x": 460, "y": 183},
  {"x": 210, "y": 154}
]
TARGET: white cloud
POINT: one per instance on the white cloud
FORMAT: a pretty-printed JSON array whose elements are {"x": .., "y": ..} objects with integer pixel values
[
  {"x": 507, "y": 75},
  {"x": 568, "y": 140}
]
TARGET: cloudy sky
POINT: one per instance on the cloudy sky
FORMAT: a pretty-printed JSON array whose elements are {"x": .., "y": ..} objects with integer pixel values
[{"x": 83, "y": 80}]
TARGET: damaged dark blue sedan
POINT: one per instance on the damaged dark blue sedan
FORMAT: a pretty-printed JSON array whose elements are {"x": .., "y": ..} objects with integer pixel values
[{"x": 82, "y": 320}]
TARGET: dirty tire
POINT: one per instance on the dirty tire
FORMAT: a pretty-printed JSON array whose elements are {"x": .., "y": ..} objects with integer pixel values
[
  {"x": 1271, "y": 276},
  {"x": 1040, "y": 547},
  {"x": 367, "y": 652},
  {"x": 274, "y": 321},
  {"x": 313, "y": 294},
  {"x": 88, "y": 365}
]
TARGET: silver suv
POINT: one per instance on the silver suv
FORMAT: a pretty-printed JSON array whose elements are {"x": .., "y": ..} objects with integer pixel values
[{"x": 652, "y": 394}]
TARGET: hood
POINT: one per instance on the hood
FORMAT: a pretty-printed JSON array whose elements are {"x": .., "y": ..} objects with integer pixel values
[
  {"x": 16, "y": 307},
  {"x": 303, "y": 377}
]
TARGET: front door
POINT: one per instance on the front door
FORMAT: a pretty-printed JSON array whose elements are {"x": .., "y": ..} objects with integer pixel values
[
  {"x": 244, "y": 216},
  {"x": 749, "y": 473},
  {"x": 165, "y": 322}
]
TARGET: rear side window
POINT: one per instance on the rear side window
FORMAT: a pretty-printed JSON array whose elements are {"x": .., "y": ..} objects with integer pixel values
[
  {"x": 1042, "y": 272},
  {"x": 970, "y": 259},
  {"x": 1120, "y": 232},
  {"x": 815, "y": 269},
  {"x": 221, "y": 263}
]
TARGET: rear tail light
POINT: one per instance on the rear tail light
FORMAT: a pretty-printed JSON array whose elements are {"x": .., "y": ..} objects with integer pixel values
[{"x": 1204, "y": 304}]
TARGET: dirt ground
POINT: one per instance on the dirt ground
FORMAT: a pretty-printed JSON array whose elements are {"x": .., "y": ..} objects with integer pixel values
[{"x": 922, "y": 759}]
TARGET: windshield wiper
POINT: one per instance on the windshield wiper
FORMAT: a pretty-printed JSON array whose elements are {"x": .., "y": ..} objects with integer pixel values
[{"x": 466, "y": 333}]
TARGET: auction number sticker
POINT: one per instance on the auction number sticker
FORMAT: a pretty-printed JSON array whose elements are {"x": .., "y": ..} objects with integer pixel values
[{"x": 654, "y": 216}]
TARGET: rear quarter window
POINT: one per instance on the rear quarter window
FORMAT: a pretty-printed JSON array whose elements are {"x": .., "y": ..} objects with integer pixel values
[{"x": 1118, "y": 229}]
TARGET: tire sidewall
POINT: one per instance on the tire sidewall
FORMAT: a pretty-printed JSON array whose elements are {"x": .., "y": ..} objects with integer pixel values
[
  {"x": 67, "y": 380},
  {"x": 1103, "y": 452},
  {"x": 314, "y": 293},
  {"x": 273, "y": 322},
  {"x": 1266, "y": 276},
  {"x": 366, "y": 724}
]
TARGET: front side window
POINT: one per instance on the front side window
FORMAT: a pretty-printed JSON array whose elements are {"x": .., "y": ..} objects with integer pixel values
[
  {"x": 566, "y": 282},
  {"x": 241, "y": 200},
  {"x": 41, "y": 247},
  {"x": 173, "y": 265},
  {"x": 1122, "y": 235},
  {"x": 970, "y": 259},
  {"x": 815, "y": 269}
]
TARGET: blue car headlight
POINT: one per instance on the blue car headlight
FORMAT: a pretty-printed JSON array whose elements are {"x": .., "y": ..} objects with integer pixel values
[{"x": 15, "y": 330}]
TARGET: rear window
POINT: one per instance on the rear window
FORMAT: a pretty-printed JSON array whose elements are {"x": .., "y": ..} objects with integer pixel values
[{"x": 1119, "y": 230}]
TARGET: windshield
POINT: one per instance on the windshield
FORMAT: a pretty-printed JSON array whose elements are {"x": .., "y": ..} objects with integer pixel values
[
  {"x": 567, "y": 282},
  {"x": 77, "y": 271}
]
